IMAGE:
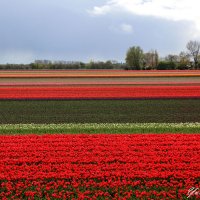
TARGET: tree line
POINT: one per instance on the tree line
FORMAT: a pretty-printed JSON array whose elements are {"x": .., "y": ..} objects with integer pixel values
[
  {"x": 136, "y": 59},
  {"x": 62, "y": 66}
]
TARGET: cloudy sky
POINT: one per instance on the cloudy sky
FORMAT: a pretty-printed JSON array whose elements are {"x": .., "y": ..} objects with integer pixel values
[{"x": 84, "y": 30}]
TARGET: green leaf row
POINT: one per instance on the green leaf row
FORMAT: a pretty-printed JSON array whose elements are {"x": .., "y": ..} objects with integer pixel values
[
  {"x": 99, "y": 128},
  {"x": 100, "y": 111}
]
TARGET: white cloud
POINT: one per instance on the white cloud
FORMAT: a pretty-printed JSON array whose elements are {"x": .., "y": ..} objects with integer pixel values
[
  {"x": 175, "y": 10},
  {"x": 100, "y": 10},
  {"x": 127, "y": 28}
]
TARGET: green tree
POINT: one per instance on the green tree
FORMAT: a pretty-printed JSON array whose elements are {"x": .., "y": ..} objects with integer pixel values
[{"x": 135, "y": 57}]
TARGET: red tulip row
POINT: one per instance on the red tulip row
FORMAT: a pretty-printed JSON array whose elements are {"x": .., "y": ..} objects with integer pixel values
[
  {"x": 97, "y": 84},
  {"x": 139, "y": 92},
  {"x": 90, "y": 166}
]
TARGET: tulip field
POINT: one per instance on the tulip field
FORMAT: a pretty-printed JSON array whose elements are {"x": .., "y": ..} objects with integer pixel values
[
  {"x": 99, "y": 166},
  {"x": 144, "y": 92},
  {"x": 99, "y": 134}
]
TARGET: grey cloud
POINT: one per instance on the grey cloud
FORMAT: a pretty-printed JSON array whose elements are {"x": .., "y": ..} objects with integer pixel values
[{"x": 60, "y": 29}]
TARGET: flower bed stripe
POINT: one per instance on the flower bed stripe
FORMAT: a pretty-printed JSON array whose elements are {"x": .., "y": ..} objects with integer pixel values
[
  {"x": 92, "y": 84},
  {"x": 99, "y": 111},
  {"x": 94, "y": 128},
  {"x": 97, "y": 73},
  {"x": 91, "y": 166},
  {"x": 141, "y": 92}
]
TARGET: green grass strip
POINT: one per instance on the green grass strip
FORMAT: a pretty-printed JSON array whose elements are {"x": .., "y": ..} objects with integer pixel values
[{"x": 94, "y": 128}]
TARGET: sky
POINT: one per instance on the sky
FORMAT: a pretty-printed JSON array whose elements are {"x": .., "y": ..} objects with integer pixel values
[{"x": 94, "y": 29}]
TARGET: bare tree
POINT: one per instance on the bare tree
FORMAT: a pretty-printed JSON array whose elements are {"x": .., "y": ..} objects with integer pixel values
[
  {"x": 151, "y": 59},
  {"x": 172, "y": 58},
  {"x": 184, "y": 58},
  {"x": 194, "y": 49}
]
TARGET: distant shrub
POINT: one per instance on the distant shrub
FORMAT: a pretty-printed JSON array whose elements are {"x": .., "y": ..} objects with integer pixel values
[{"x": 166, "y": 65}]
